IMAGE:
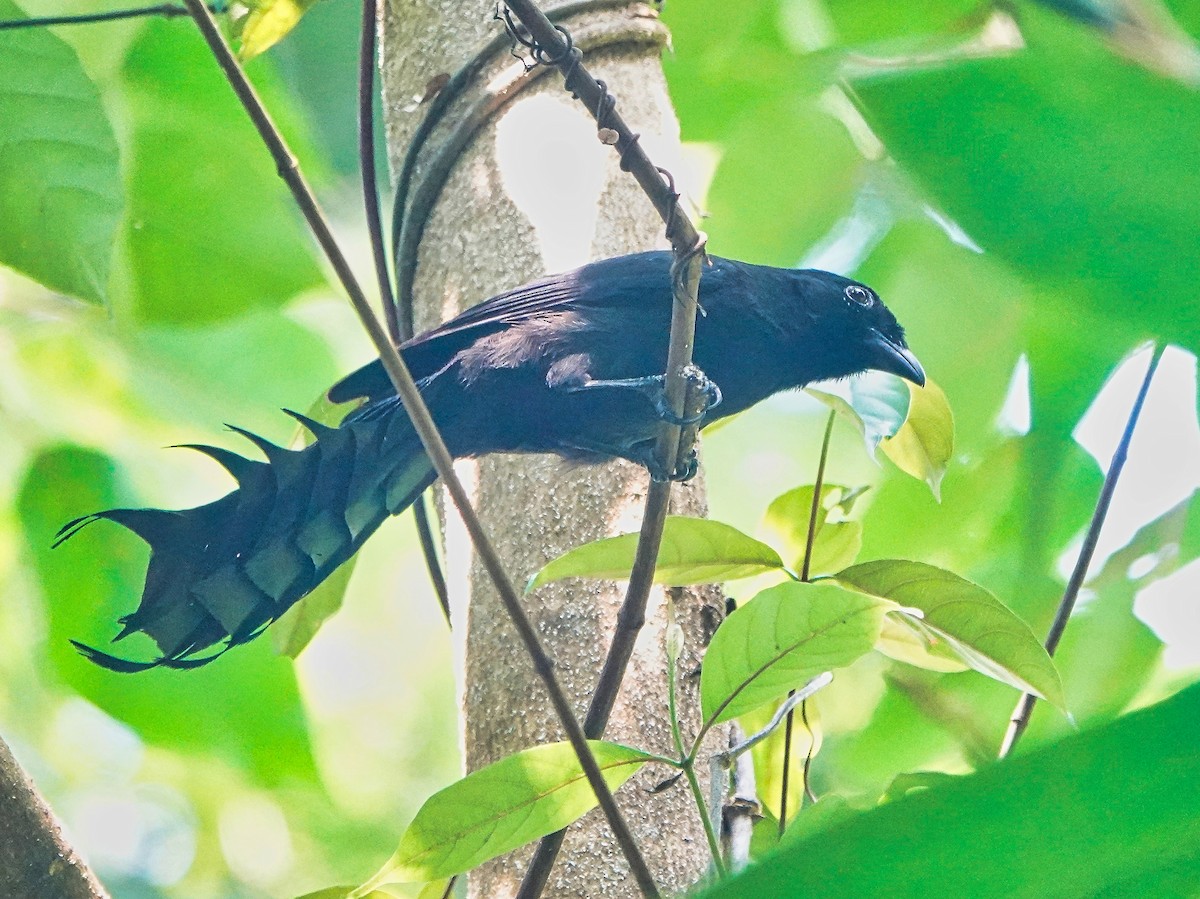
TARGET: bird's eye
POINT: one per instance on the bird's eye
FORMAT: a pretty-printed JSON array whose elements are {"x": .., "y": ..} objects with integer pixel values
[{"x": 863, "y": 296}]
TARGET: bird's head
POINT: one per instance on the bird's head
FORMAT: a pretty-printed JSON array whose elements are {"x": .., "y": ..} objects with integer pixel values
[{"x": 855, "y": 331}]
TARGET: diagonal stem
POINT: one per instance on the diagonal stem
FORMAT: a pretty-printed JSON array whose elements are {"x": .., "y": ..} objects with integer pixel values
[
  {"x": 165, "y": 10},
  {"x": 435, "y": 447},
  {"x": 1024, "y": 708},
  {"x": 805, "y": 570},
  {"x": 687, "y": 244}
]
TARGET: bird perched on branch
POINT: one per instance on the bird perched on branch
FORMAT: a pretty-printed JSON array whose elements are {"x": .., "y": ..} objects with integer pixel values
[{"x": 570, "y": 365}]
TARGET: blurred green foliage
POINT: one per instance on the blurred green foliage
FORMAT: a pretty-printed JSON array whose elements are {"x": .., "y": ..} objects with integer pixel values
[{"x": 1015, "y": 182}]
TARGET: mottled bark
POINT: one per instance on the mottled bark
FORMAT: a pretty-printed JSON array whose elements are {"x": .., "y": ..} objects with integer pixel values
[{"x": 535, "y": 191}]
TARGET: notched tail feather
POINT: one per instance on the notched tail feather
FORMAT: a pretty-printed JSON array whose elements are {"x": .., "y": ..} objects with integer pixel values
[{"x": 222, "y": 572}]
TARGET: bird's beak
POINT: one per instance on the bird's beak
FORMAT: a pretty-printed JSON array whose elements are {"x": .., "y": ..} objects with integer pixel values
[{"x": 889, "y": 356}]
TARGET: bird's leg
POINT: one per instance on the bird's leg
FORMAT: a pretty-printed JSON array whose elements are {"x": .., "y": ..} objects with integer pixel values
[{"x": 652, "y": 387}]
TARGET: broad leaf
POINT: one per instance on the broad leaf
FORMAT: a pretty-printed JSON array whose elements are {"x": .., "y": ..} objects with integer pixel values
[
  {"x": 859, "y": 21},
  {"x": 979, "y": 628},
  {"x": 925, "y": 442},
  {"x": 806, "y": 153},
  {"x": 693, "y": 551},
  {"x": 875, "y": 402},
  {"x": 60, "y": 181},
  {"x": 782, "y": 638},
  {"x": 835, "y": 543},
  {"x": 212, "y": 230},
  {"x": 1028, "y": 151},
  {"x": 1110, "y": 812},
  {"x": 502, "y": 806}
]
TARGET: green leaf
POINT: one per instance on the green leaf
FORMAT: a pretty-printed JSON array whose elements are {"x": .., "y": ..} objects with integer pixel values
[
  {"x": 1110, "y": 808},
  {"x": 501, "y": 807},
  {"x": 800, "y": 176},
  {"x": 875, "y": 402},
  {"x": 835, "y": 543},
  {"x": 783, "y": 637},
  {"x": 693, "y": 551},
  {"x": 925, "y": 442},
  {"x": 60, "y": 181},
  {"x": 1009, "y": 146},
  {"x": 979, "y": 628},
  {"x": 713, "y": 87},
  {"x": 859, "y": 21},
  {"x": 212, "y": 230}
]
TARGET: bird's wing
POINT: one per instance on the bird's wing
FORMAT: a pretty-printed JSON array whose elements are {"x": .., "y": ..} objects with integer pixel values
[{"x": 610, "y": 282}]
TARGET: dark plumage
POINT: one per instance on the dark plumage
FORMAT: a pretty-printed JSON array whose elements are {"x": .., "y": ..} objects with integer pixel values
[{"x": 516, "y": 373}]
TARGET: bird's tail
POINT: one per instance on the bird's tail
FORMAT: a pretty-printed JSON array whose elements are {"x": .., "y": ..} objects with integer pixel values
[{"x": 224, "y": 571}]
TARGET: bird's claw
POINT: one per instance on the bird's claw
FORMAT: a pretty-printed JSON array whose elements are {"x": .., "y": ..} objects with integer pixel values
[
  {"x": 681, "y": 473},
  {"x": 697, "y": 381}
]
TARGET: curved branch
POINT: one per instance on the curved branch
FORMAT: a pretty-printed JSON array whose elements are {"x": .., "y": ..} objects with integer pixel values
[{"x": 35, "y": 859}]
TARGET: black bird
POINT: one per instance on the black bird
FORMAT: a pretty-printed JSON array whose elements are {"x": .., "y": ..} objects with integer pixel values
[{"x": 568, "y": 365}]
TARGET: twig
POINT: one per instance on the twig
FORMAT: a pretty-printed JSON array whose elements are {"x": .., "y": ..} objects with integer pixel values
[
  {"x": 366, "y": 163},
  {"x": 433, "y": 564},
  {"x": 371, "y": 201},
  {"x": 795, "y": 698},
  {"x": 554, "y": 47},
  {"x": 741, "y": 811},
  {"x": 166, "y": 10},
  {"x": 431, "y": 439},
  {"x": 413, "y": 219},
  {"x": 806, "y": 771},
  {"x": 805, "y": 570},
  {"x": 739, "y": 814},
  {"x": 1024, "y": 707}
]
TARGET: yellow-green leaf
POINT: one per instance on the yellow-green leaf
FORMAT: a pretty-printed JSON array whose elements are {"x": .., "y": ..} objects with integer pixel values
[
  {"x": 901, "y": 641},
  {"x": 268, "y": 23},
  {"x": 693, "y": 551},
  {"x": 501, "y": 807},
  {"x": 836, "y": 544},
  {"x": 962, "y": 616},
  {"x": 925, "y": 442}
]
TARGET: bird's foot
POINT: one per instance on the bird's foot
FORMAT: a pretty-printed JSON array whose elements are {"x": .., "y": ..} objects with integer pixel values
[{"x": 653, "y": 388}]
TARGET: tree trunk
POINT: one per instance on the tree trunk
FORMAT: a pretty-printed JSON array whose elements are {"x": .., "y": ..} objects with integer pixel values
[{"x": 536, "y": 192}]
